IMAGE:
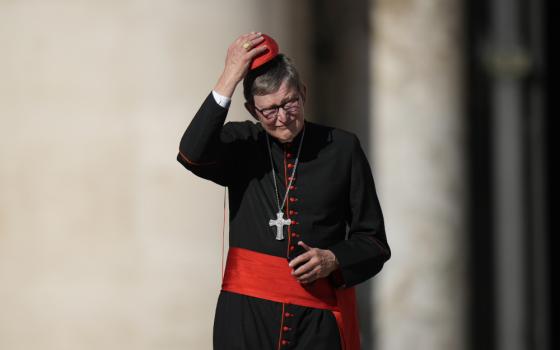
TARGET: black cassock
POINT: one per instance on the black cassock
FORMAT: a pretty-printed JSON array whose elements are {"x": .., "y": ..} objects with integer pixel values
[{"x": 332, "y": 204}]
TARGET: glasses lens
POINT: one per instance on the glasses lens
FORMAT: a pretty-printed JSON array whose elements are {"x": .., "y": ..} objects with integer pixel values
[
  {"x": 292, "y": 106},
  {"x": 269, "y": 112},
  {"x": 289, "y": 107}
]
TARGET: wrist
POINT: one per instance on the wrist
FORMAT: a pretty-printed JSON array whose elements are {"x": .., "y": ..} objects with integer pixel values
[
  {"x": 226, "y": 85},
  {"x": 334, "y": 261}
]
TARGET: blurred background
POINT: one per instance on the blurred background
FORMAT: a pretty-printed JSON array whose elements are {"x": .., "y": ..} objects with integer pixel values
[{"x": 106, "y": 242}]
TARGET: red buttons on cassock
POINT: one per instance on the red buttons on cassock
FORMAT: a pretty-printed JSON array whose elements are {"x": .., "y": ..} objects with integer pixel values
[
  {"x": 287, "y": 314},
  {"x": 293, "y": 199},
  {"x": 285, "y": 342},
  {"x": 292, "y": 248},
  {"x": 291, "y": 178},
  {"x": 293, "y": 212},
  {"x": 293, "y": 222},
  {"x": 290, "y": 166},
  {"x": 295, "y": 234},
  {"x": 286, "y": 328},
  {"x": 289, "y": 155},
  {"x": 292, "y": 187}
]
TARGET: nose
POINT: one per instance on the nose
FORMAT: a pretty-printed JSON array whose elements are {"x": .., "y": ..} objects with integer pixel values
[{"x": 282, "y": 115}]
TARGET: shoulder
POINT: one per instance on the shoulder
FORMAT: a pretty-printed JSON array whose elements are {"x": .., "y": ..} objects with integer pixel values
[
  {"x": 335, "y": 137},
  {"x": 241, "y": 131}
]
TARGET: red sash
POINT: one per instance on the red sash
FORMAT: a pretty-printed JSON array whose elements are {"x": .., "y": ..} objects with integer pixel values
[{"x": 269, "y": 277}]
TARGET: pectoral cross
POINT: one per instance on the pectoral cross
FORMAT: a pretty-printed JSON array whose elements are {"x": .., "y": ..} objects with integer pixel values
[{"x": 279, "y": 223}]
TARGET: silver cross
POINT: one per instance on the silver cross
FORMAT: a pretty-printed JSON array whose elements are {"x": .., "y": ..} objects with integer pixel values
[{"x": 279, "y": 223}]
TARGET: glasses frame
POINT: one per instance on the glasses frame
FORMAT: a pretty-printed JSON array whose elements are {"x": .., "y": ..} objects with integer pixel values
[{"x": 277, "y": 108}]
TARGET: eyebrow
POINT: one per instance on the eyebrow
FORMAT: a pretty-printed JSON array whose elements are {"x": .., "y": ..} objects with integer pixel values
[{"x": 284, "y": 100}]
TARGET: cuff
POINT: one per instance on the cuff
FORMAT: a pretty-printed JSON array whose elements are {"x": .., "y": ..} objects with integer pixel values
[
  {"x": 337, "y": 279},
  {"x": 222, "y": 100}
]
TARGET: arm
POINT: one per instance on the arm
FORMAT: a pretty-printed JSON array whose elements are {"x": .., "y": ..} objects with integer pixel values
[
  {"x": 202, "y": 148},
  {"x": 363, "y": 254}
]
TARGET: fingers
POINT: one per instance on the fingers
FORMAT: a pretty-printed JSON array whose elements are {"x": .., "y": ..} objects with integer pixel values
[
  {"x": 305, "y": 268},
  {"x": 247, "y": 37},
  {"x": 248, "y": 41},
  {"x": 310, "y": 271},
  {"x": 312, "y": 265},
  {"x": 254, "y": 52},
  {"x": 244, "y": 49},
  {"x": 311, "y": 276},
  {"x": 307, "y": 273},
  {"x": 301, "y": 258},
  {"x": 239, "y": 56}
]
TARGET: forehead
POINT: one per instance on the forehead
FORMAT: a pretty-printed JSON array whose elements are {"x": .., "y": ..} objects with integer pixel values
[{"x": 285, "y": 90}]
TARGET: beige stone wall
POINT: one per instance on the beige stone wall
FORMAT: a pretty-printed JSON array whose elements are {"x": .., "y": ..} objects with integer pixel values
[
  {"x": 419, "y": 152},
  {"x": 106, "y": 242}
]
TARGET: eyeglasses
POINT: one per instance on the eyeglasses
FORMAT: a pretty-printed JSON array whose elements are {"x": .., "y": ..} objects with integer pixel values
[{"x": 291, "y": 107}]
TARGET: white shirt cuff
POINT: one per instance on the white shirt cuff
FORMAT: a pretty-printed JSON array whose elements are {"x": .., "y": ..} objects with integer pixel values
[{"x": 221, "y": 100}]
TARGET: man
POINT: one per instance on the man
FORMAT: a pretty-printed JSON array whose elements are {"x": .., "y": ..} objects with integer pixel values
[{"x": 305, "y": 222}]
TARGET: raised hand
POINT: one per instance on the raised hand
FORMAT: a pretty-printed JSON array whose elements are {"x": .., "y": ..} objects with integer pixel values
[{"x": 239, "y": 56}]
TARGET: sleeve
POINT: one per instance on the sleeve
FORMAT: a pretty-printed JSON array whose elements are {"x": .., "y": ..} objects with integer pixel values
[
  {"x": 202, "y": 149},
  {"x": 362, "y": 255},
  {"x": 222, "y": 100}
]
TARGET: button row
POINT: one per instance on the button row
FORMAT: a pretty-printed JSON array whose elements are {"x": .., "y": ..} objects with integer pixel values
[{"x": 291, "y": 214}]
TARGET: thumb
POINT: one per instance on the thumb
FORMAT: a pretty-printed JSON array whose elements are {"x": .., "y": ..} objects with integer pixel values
[{"x": 305, "y": 246}]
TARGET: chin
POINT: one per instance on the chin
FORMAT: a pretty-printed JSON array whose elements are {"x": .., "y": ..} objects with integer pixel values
[{"x": 284, "y": 135}]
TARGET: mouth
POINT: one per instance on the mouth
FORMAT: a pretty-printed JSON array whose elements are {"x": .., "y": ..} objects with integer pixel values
[{"x": 285, "y": 126}]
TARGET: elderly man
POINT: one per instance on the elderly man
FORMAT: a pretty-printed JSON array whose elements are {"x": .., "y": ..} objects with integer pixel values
[{"x": 305, "y": 222}]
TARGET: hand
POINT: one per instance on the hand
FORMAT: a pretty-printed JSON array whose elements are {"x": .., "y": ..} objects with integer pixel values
[
  {"x": 238, "y": 61},
  {"x": 315, "y": 263}
]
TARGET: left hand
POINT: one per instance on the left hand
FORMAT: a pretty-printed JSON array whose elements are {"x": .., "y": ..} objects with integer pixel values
[{"x": 315, "y": 263}]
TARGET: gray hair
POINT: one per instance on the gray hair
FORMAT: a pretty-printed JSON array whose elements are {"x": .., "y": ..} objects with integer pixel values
[{"x": 268, "y": 78}]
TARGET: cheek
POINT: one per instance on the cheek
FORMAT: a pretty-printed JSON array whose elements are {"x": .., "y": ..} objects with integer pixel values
[{"x": 268, "y": 128}]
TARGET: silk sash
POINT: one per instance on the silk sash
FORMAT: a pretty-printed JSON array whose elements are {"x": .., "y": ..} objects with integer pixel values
[{"x": 269, "y": 277}]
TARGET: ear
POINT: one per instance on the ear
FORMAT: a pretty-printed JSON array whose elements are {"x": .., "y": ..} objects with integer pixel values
[
  {"x": 251, "y": 109},
  {"x": 304, "y": 93}
]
